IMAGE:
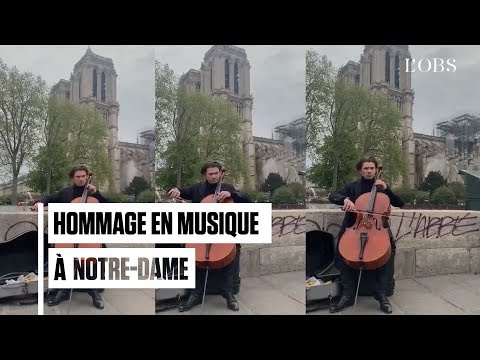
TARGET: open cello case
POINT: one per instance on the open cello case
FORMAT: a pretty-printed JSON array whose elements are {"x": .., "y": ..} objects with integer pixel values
[{"x": 19, "y": 269}]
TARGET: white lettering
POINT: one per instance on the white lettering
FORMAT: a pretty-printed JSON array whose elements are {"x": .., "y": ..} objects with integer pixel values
[{"x": 426, "y": 65}]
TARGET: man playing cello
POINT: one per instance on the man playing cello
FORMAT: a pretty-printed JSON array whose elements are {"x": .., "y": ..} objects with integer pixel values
[
  {"x": 78, "y": 175},
  {"x": 367, "y": 169},
  {"x": 211, "y": 172}
]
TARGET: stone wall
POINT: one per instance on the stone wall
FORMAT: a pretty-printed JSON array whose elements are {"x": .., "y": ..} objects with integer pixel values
[
  {"x": 429, "y": 242},
  {"x": 285, "y": 253}
]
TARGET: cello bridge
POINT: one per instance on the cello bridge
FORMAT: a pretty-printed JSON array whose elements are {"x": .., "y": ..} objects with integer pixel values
[{"x": 367, "y": 223}]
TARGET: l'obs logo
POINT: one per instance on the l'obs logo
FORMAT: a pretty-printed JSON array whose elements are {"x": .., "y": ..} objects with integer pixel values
[{"x": 430, "y": 65}]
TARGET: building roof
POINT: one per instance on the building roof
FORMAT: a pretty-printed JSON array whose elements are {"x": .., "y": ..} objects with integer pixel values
[
  {"x": 91, "y": 56},
  {"x": 475, "y": 174}
]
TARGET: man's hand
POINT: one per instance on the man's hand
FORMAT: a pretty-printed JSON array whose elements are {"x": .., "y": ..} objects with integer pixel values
[
  {"x": 381, "y": 184},
  {"x": 222, "y": 195},
  {"x": 348, "y": 205},
  {"x": 91, "y": 189},
  {"x": 35, "y": 207},
  {"x": 174, "y": 193}
]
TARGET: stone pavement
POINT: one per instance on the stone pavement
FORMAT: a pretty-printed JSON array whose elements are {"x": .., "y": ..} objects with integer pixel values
[
  {"x": 456, "y": 294},
  {"x": 285, "y": 294},
  {"x": 116, "y": 302},
  {"x": 277, "y": 294}
]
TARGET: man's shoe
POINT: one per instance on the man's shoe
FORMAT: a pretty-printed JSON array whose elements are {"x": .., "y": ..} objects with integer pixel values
[
  {"x": 96, "y": 298},
  {"x": 61, "y": 295},
  {"x": 342, "y": 303},
  {"x": 193, "y": 300},
  {"x": 232, "y": 303},
  {"x": 385, "y": 305}
]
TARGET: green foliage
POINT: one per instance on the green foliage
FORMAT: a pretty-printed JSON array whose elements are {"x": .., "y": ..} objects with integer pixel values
[
  {"x": 257, "y": 196},
  {"x": 50, "y": 170},
  {"x": 283, "y": 195},
  {"x": 175, "y": 167},
  {"x": 192, "y": 129},
  {"x": 433, "y": 181},
  {"x": 443, "y": 195},
  {"x": 118, "y": 197},
  {"x": 23, "y": 99},
  {"x": 136, "y": 186},
  {"x": 345, "y": 123},
  {"x": 406, "y": 194},
  {"x": 421, "y": 197},
  {"x": 147, "y": 196},
  {"x": 272, "y": 182},
  {"x": 7, "y": 199},
  {"x": 459, "y": 189},
  {"x": 322, "y": 173},
  {"x": 72, "y": 134},
  {"x": 298, "y": 190},
  {"x": 87, "y": 139}
]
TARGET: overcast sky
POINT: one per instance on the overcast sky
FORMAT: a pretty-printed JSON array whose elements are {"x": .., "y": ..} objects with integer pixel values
[
  {"x": 135, "y": 82},
  {"x": 277, "y": 79},
  {"x": 438, "y": 96}
]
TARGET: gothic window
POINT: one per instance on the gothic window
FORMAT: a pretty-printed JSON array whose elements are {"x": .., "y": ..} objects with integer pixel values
[
  {"x": 357, "y": 79},
  {"x": 227, "y": 74},
  {"x": 397, "y": 72},
  {"x": 80, "y": 87},
  {"x": 67, "y": 95},
  {"x": 387, "y": 67},
  {"x": 197, "y": 86},
  {"x": 104, "y": 87},
  {"x": 235, "y": 78},
  {"x": 211, "y": 78},
  {"x": 94, "y": 87}
]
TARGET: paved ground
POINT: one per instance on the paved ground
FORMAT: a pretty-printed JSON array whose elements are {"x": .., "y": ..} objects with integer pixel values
[
  {"x": 457, "y": 294},
  {"x": 285, "y": 294},
  {"x": 16, "y": 309},
  {"x": 278, "y": 294},
  {"x": 116, "y": 302}
]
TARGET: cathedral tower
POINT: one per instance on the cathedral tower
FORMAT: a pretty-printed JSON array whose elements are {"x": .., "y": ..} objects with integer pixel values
[
  {"x": 382, "y": 68},
  {"x": 93, "y": 82},
  {"x": 225, "y": 72}
]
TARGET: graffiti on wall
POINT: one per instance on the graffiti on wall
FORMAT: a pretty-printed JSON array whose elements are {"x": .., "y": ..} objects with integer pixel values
[
  {"x": 419, "y": 225},
  {"x": 288, "y": 225},
  {"x": 416, "y": 225}
]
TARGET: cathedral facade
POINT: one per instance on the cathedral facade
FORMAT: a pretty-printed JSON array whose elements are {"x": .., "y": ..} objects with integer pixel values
[
  {"x": 225, "y": 73},
  {"x": 93, "y": 82},
  {"x": 383, "y": 68}
]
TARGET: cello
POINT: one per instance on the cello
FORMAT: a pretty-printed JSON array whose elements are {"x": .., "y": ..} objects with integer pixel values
[
  {"x": 213, "y": 256},
  {"x": 85, "y": 198},
  {"x": 366, "y": 244}
]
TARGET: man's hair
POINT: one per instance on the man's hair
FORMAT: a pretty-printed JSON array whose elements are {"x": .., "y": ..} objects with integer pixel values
[
  {"x": 78, "y": 168},
  {"x": 364, "y": 160},
  {"x": 209, "y": 165}
]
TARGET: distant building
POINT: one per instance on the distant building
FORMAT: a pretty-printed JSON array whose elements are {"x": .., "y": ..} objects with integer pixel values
[
  {"x": 225, "y": 72},
  {"x": 93, "y": 82}
]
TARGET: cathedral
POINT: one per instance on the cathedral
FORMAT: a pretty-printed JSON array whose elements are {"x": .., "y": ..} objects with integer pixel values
[
  {"x": 93, "y": 82},
  {"x": 225, "y": 72},
  {"x": 382, "y": 68}
]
